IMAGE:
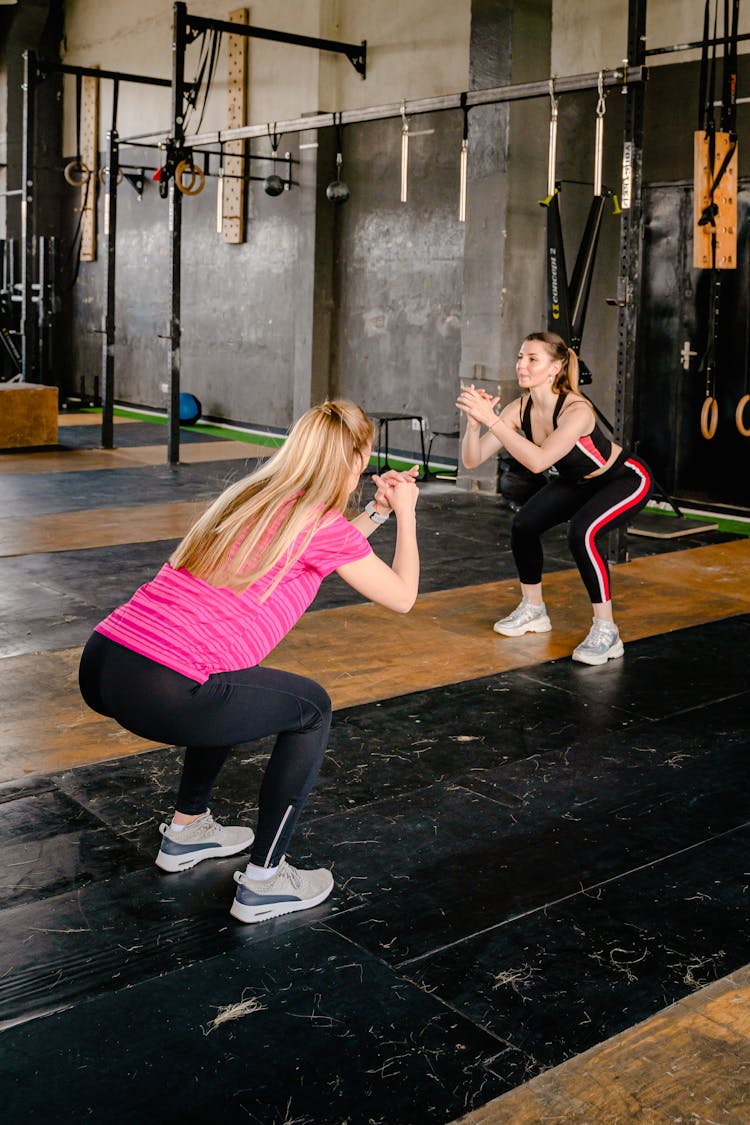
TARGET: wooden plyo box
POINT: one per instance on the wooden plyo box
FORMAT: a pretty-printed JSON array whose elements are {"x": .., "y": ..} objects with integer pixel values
[{"x": 28, "y": 415}]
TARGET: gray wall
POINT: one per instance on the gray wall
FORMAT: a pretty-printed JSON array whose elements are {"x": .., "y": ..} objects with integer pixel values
[{"x": 398, "y": 270}]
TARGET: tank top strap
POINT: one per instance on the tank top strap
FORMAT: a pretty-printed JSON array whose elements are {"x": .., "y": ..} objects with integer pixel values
[
  {"x": 558, "y": 407},
  {"x": 526, "y": 418}
]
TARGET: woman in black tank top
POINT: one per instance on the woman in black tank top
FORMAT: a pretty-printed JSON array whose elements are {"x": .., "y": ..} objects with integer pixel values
[{"x": 593, "y": 485}]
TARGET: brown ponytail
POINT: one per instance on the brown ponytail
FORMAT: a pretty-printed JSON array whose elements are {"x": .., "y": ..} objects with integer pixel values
[{"x": 567, "y": 377}]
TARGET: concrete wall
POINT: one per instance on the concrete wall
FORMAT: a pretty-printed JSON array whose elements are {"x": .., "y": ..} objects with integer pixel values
[
  {"x": 272, "y": 324},
  {"x": 589, "y": 36}
]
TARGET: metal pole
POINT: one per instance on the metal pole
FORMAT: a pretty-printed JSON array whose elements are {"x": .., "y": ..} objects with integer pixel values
[
  {"x": 45, "y": 67},
  {"x": 567, "y": 84},
  {"x": 27, "y": 218},
  {"x": 629, "y": 284},
  {"x": 41, "y": 309},
  {"x": 108, "y": 321},
  {"x": 175, "y": 231}
]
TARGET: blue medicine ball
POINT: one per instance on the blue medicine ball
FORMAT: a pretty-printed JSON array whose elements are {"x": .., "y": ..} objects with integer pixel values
[{"x": 190, "y": 409}]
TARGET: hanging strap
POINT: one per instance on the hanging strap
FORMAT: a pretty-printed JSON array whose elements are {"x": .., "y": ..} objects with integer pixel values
[
  {"x": 115, "y": 96},
  {"x": 729, "y": 87},
  {"x": 707, "y": 88},
  {"x": 465, "y": 110},
  {"x": 79, "y": 80}
]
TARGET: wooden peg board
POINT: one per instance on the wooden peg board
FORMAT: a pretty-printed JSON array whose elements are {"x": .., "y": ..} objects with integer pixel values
[
  {"x": 90, "y": 157},
  {"x": 725, "y": 197},
  {"x": 233, "y": 202}
]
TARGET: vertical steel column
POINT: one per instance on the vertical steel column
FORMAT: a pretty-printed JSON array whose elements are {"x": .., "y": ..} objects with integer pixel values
[
  {"x": 108, "y": 320},
  {"x": 179, "y": 39},
  {"x": 27, "y": 217},
  {"x": 629, "y": 284},
  {"x": 41, "y": 308}
]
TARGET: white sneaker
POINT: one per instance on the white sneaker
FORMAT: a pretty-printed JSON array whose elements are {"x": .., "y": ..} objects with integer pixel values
[
  {"x": 602, "y": 644},
  {"x": 203, "y": 839},
  {"x": 525, "y": 618},
  {"x": 257, "y": 900}
]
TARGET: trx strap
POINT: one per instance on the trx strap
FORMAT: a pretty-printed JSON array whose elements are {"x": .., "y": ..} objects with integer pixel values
[
  {"x": 558, "y": 310},
  {"x": 567, "y": 302},
  {"x": 580, "y": 282}
]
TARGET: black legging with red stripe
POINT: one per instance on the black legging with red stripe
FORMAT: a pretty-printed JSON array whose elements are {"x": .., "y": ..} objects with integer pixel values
[{"x": 591, "y": 508}]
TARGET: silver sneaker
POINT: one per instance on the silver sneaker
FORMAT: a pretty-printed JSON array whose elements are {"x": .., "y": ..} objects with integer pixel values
[
  {"x": 257, "y": 900},
  {"x": 525, "y": 618},
  {"x": 203, "y": 839},
  {"x": 602, "y": 644}
]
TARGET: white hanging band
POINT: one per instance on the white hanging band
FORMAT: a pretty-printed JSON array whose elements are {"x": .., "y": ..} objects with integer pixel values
[
  {"x": 552, "y": 156},
  {"x": 601, "y": 109},
  {"x": 220, "y": 192},
  {"x": 404, "y": 153}
]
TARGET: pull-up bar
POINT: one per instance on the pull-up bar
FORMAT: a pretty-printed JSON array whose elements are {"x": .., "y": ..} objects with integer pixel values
[
  {"x": 680, "y": 47},
  {"x": 44, "y": 67},
  {"x": 355, "y": 52}
]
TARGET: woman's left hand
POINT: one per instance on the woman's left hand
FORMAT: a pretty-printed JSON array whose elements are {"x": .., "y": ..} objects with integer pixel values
[
  {"x": 390, "y": 480},
  {"x": 478, "y": 405}
]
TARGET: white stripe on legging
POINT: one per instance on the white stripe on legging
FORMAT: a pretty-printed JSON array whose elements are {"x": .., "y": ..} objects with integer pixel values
[
  {"x": 267, "y": 862},
  {"x": 617, "y": 509}
]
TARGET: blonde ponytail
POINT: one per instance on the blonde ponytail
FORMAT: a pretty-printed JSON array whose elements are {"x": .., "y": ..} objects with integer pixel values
[{"x": 259, "y": 521}]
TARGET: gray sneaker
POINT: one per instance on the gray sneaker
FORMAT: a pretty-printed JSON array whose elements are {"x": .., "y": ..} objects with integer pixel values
[
  {"x": 203, "y": 839},
  {"x": 525, "y": 618},
  {"x": 602, "y": 644},
  {"x": 257, "y": 900}
]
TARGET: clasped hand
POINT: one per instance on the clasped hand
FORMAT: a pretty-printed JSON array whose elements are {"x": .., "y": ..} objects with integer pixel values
[
  {"x": 478, "y": 405},
  {"x": 396, "y": 491}
]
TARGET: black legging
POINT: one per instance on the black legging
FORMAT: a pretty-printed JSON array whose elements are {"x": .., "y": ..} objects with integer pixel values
[
  {"x": 209, "y": 719},
  {"x": 592, "y": 507}
]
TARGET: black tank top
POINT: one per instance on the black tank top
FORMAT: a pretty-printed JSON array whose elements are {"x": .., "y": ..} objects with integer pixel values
[{"x": 588, "y": 454}]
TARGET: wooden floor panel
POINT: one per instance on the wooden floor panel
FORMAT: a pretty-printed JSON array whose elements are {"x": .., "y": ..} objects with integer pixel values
[
  {"x": 690, "y": 1063},
  {"x": 127, "y": 457},
  {"x": 447, "y": 638},
  {"x": 81, "y": 419},
  {"x": 97, "y": 527}
]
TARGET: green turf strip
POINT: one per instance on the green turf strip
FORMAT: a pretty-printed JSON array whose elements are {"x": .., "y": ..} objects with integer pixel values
[
  {"x": 272, "y": 440},
  {"x": 725, "y": 523}
]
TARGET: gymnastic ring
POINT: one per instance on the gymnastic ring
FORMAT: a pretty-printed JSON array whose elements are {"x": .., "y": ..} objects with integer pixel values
[
  {"x": 709, "y": 417},
  {"x": 76, "y": 166},
  {"x": 104, "y": 173},
  {"x": 197, "y": 181},
  {"x": 738, "y": 416}
]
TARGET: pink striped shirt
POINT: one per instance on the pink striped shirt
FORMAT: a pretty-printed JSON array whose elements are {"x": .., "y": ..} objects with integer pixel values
[{"x": 197, "y": 629}]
